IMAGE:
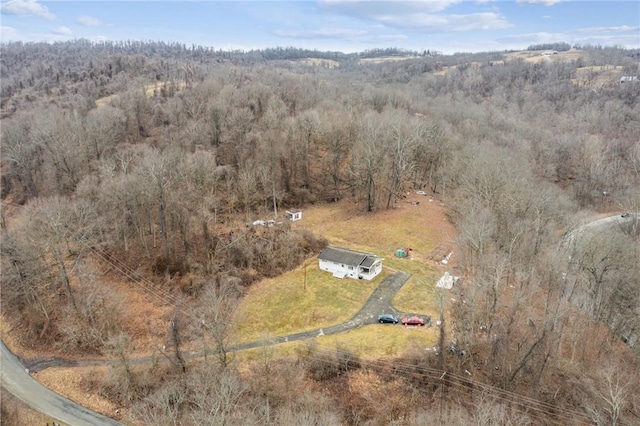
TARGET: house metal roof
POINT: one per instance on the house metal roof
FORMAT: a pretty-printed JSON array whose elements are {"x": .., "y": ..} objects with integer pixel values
[
  {"x": 369, "y": 261},
  {"x": 346, "y": 256}
]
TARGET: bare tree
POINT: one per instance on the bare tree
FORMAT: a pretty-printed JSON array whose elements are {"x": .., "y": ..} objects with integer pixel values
[
  {"x": 219, "y": 302},
  {"x": 368, "y": 164},
  {"x": 104, "y": 128},
  {"x": 160, "y": 168}
]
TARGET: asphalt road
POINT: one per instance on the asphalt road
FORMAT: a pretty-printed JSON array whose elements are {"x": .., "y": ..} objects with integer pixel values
[
  {"x": 600, "y": 225},
  {"x": 19, "y": 383}
]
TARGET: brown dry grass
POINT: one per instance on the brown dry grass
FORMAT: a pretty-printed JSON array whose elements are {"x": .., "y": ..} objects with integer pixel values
[
  {"x": 420, "y": 227},
  {"x": 19, "y": 414},
  {"x": 145, "y": 317},
  {"x": 383, "y": 59},
  {"x": 326, "y": 63},
  {"x": 382, "y": 340},
  {"x": 531, "y": 56},
  {"x": 597, "y": 76},
  {"x": 537, "y": 55},
  {"x": 281, "y": 306},
  {"x": 69, "y": 382},
  {"x": 149, "y": 90}
]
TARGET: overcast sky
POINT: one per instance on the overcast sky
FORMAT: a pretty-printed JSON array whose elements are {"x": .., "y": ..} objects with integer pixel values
[{"x": 447, "y": 26}]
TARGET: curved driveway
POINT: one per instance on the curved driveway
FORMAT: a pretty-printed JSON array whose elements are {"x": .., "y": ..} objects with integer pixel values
[
  {"x": 379, "y": 302},
  {"x": 17, "y": 381}
]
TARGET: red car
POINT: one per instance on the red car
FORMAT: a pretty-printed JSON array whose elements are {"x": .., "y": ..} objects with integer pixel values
[{"x": 414, "y": 320}]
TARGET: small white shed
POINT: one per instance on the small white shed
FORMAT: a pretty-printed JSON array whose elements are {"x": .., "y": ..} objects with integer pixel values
[{"x": 294, "y": 215}]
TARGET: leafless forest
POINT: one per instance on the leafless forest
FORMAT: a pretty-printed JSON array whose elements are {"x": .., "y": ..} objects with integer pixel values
[{"x": 159, "y": 155}]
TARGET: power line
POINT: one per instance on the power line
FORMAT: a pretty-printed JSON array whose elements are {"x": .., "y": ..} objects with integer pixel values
[
  {"x": 460, "y": 383},
  {"x": 454, "y": 381}
]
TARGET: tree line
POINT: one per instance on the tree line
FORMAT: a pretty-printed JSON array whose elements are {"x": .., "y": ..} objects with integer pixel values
[{"x": 161, "y": 155}]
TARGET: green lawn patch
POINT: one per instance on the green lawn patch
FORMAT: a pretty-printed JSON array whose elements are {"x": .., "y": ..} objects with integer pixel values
[
  {"x": 369, "y": 342},
  {"x": 420, "y": 295},
  {"x": 381, "y": 340},
  {"x": 285, "y": 305}
]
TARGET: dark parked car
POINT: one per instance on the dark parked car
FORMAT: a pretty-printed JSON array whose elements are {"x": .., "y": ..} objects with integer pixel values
[
  {"x": 413, "y": 320},
  {"x": 387, "y": 319}
]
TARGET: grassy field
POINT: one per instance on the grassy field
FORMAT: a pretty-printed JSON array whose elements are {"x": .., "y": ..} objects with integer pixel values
[
  {"x": 286, "y": 305},
  {"x": 369, "y": 342},
  {"x": 382, "y": 340}
]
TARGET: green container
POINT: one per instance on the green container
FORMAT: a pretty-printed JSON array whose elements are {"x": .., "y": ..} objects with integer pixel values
[{"x": 401, "y": 253}]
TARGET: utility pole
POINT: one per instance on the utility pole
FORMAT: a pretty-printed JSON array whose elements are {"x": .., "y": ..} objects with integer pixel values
[
  {"x": 441, "y": 353},
  {"x": 304, "y": 285}
]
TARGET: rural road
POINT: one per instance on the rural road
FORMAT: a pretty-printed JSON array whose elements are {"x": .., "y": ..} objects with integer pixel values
[
  {"x": 598, "y": 225},
  {"x": 17, "y": 381}
]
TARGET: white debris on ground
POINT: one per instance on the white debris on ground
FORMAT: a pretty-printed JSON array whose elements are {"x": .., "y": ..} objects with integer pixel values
[
  {"x": 447, "y": 281},
  {"x": 446, "y": 259}
]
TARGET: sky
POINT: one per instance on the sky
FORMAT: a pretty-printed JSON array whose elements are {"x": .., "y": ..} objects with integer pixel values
[{"x": 446, "y": 26}]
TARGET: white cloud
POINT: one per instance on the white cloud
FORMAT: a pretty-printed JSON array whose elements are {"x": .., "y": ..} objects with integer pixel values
[
  {"x": 536, "y": 38},
  {"x": 88, "y": 21},
  {"x": 382, "y": 38},
  {"x": 320, "y": 33},
  {"x": 621, "y": 28},
  {"x": 448, "y": 23},
  {"x": 545, "y": 2},
  {"x": 8, "y": 33},
  {"x": 628, "y": 41},
  {"x": 368, "y": 8},
  {"x": 425, "y": 15},
  {"x": 65, "y": 31},
  {"x": 24, "y": 8}
]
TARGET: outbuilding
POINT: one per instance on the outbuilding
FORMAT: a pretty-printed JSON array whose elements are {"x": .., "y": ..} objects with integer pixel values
[
  {"x": 347, "y": 263},
  {"x": 294, "y": 215}
]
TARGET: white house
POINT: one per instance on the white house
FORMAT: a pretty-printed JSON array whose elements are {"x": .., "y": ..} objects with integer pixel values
[
  {"x": 294, "y": 215},
  {"x": 628, "y": 79},
  {"x": 343, "y": 263}
]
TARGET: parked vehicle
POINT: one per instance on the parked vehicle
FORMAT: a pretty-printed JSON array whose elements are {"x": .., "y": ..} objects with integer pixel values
[
  {"x": 413, "y": 320},
  {"x": 387, "y": 319}
]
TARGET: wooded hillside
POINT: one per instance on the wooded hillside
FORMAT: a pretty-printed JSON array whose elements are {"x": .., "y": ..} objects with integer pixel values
[{"x": 161, "y": 155}]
